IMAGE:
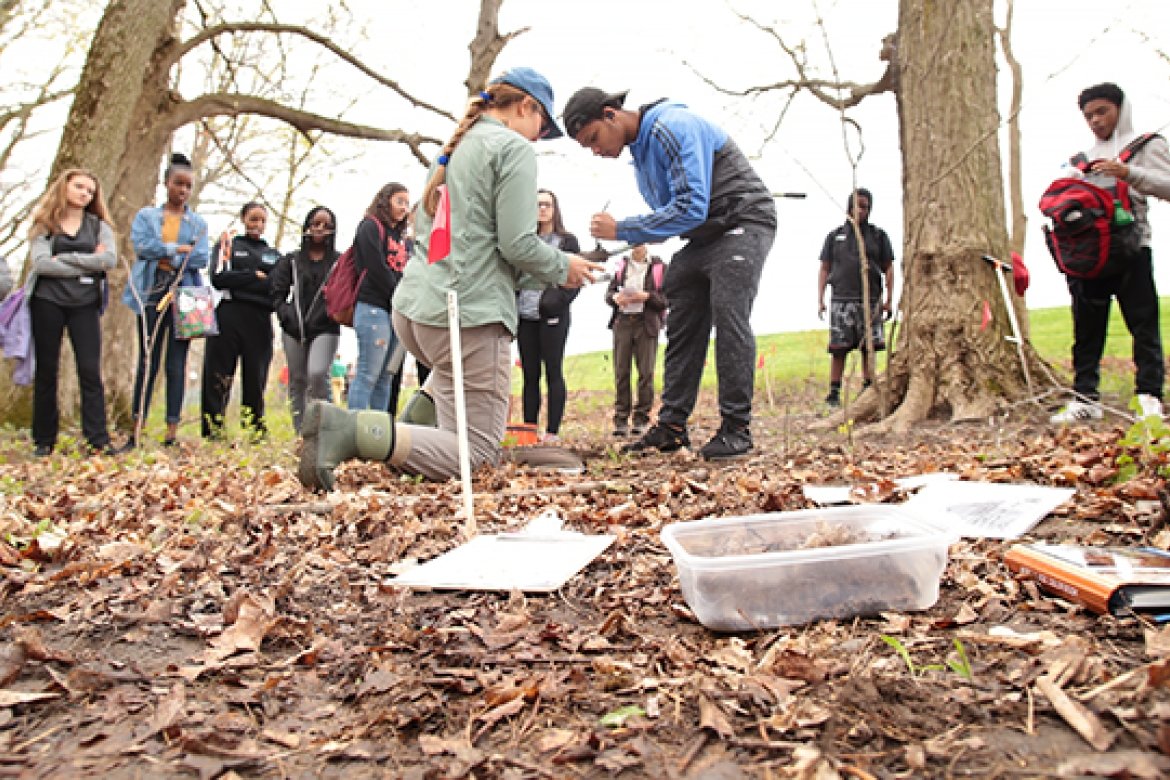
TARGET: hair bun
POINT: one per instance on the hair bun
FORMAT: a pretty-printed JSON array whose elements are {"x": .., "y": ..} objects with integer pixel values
[{"x": 178, "y": 158}]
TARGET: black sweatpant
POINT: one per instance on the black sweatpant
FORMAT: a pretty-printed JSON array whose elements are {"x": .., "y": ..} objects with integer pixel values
[
  {"x": 1137, "y": 296},
  {"x": 713, "y": 284},
  {"x": 49, "y": 322},
  {"x": 543, "y": 344},
  {"x": 245, "y": 337}
]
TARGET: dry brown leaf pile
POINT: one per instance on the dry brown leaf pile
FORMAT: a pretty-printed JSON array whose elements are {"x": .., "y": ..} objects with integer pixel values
[{"x": 197, "y": 614}]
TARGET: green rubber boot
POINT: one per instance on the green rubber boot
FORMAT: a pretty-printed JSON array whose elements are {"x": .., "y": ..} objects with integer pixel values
[
  {"x": 333, "y": 435},
  {"x": 420, "y": 410}
]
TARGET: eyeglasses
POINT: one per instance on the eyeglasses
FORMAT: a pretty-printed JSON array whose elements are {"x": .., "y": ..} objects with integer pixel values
[{"x": 543, "y": 205}]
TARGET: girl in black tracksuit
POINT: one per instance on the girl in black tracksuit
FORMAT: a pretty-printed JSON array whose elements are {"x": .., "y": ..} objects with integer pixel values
[{"x": 241, "y": 269}]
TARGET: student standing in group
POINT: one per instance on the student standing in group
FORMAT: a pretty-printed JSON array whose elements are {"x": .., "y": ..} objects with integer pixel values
[
  {"x": 1109, "y": 115},
  {"x": 841, "y": 269},
  {"x": 309, "y": 335},
  {"x": 544, "y": 323},
  {"x": 379, "y": 256},
  {"x": 242, "y": 270},
  {"x": 639, "y": 307},
  {"x": 170, "y": 242},
  {"x": 701, "y": 187},
  {"x": 72, "y": 248},
  {"x": 485, "y": 181}
]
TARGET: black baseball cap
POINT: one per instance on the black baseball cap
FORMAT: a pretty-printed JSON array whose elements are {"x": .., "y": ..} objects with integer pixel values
[{"x": 588, "y": 104}]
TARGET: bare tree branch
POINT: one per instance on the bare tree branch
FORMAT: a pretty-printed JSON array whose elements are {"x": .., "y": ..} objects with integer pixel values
[
  {"x": 1019, "y": 216},
  {"x": 835, "y": 93},
  {"x": 487, "y": 44},
  {"x": 272, "y": 27},
  {"x": 227, "y": 104}
]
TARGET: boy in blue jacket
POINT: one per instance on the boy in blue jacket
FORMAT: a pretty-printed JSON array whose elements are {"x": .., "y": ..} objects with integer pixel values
[{"x": 700, "y": 187}]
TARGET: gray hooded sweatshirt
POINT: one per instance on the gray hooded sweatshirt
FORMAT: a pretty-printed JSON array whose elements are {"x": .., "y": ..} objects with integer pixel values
[{"x": 1149, "y": 170}]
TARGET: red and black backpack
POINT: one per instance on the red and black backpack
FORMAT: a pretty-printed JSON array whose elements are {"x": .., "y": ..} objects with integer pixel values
[{"x": 1089, "y": 236}]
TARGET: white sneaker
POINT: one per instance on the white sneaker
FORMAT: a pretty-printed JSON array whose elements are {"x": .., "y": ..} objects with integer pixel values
[
  {"x": 1149, "y": 406},
  {"x": 1077, "y": 411}
]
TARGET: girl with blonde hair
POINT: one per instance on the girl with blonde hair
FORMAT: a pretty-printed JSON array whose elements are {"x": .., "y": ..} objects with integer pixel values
[{"x": 72, "y": 248}]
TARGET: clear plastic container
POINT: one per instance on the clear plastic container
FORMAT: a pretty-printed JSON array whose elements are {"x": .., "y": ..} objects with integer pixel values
[{"x": 785, "y": 568}]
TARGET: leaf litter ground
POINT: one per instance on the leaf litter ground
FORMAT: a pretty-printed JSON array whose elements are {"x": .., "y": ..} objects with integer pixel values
[{"x": 197, "y": 614}]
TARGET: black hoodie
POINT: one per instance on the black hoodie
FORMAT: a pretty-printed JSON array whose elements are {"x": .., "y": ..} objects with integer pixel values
[{"x": 296, "y": 293}]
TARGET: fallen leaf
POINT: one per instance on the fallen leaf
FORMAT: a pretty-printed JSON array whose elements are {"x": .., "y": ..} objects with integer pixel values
[
  {"x": 713, "y": 718},
  {"x": 169, "y": 711},
  {"x": 11, "y": 698},
  {"x": 12, "y": 657},
  {"x": 1119, "y": 763},
  {"x": 246, "y": 633}
]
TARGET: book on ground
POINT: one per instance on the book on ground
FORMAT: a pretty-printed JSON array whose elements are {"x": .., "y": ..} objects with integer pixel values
[{"x": 1115, "y": 580}]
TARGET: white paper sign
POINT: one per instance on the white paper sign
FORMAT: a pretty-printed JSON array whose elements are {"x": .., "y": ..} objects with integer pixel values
[
  {"x": 986, "y": 510},
  {"x": 539, "y": 559}
]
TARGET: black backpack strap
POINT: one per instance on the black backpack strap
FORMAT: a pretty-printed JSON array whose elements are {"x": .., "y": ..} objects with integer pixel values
[{"x": 1135, "y": 146}]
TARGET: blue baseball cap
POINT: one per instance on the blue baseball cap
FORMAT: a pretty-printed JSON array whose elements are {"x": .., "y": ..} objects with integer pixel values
[{"x": 538, "y": 89}]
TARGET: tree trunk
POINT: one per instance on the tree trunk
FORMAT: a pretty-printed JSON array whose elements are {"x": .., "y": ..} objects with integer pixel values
[
  {"x": 948, "y": 362},
  {"x": 112, "y": 130},
  {"x": 120, "y": 124}
]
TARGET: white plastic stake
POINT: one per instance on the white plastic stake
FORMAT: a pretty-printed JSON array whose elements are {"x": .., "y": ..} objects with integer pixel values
[
  {"x": 461, "y": 412},
  {"x": 1015, "y": 323}
]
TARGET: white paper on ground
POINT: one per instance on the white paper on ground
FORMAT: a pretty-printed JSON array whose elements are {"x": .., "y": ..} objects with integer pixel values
[
  {"x": 986, "y": 510},
  {"x": 538, "y": 559},
  {"x": 827, "y": 495}
]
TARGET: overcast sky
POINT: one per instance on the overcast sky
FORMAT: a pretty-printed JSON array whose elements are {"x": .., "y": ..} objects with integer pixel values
[
  {"x": 654, "y": 47},
  {"x": 641, "y": 46}
]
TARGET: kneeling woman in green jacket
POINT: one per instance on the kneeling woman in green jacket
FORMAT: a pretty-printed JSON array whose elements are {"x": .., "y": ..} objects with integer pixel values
[{"x": 490, "y": 176}]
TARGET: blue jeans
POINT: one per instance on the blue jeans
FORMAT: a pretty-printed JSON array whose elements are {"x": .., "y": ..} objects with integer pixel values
[{"x": 370, "y": 388}]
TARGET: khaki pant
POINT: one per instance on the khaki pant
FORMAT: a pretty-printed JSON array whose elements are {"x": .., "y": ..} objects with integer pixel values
[
  {"x": 487, "y": 372},
  {"x": 633, "y": 344}
]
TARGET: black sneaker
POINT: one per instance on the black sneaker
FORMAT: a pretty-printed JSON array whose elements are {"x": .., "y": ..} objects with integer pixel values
[
  {"x": 833, "y": 399},
  {"x": 43, "y": 450},
  {"x": 663, "y": 437},
  {"x": 728, "y": 443}
]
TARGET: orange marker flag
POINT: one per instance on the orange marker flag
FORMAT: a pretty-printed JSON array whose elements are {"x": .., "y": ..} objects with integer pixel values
[{"x": 440, "y": 242}]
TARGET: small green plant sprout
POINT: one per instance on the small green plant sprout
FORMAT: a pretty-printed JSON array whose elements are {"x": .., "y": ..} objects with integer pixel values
[
  {"x": 902, "y": 652},
  {"x": 617, "y": 718},
  {"x": 1144, "y": 449},
  {"x": 960, "y": 665}
]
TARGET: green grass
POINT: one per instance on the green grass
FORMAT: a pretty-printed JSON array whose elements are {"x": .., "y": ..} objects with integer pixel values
[
  {"x": 792, "y": 363},
  {"x": 799, "y": 358}
]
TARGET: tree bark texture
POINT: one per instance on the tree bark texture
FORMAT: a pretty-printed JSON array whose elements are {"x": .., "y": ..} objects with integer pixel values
[
  {"x": 948, "y": 361},
  {"x": 120, "y": 125},
  {"x": 113, "y": 129}
]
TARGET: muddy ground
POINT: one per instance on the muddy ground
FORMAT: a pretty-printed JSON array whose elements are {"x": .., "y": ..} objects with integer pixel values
[{"x": 195, "y": 613}]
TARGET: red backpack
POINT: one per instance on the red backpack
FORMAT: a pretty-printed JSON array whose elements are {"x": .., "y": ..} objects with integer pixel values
[
  {"x": 343, "y": 283},
  {"x": 1092, "y": 231}
]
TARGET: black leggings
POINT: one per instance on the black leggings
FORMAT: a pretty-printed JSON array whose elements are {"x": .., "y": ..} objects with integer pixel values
[
  {"x": 542, "y": 343},
  {"x": 49, "y": 323}
]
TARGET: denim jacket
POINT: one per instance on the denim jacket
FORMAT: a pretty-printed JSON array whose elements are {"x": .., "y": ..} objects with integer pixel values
[{"x": 146, "y": 233}]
